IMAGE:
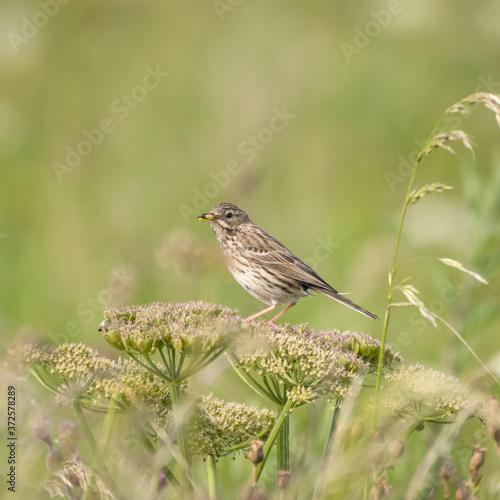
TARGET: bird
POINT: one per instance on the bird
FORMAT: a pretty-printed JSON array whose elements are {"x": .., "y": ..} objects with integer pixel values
[{"x": 263, "y": 266}]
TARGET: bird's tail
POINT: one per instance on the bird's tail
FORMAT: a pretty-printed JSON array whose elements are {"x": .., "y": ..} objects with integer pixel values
[{"x": 331, "y": 292}]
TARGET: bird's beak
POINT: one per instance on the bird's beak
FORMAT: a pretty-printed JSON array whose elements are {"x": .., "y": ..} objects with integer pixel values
[{"x": 206, "y": 217}]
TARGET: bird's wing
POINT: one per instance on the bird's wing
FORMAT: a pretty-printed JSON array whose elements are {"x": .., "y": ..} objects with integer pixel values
[{"x": 264, "y": 250}]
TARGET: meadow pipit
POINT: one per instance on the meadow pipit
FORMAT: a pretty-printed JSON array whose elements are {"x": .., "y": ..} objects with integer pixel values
[{"x": 263, "y": 266}]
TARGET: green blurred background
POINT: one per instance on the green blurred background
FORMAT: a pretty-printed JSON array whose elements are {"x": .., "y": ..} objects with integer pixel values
[{"x": 128, "y": 208}]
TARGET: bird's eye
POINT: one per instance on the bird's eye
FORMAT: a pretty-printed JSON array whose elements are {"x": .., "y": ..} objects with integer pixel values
[{"x": 229, "y": 215}]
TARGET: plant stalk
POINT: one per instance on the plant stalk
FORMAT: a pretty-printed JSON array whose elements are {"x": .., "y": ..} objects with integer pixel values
[
  {"x": 85, "y": 426},
  {"x": 185, "y": 457},
  {"x": 285, "y": 410},
  {"x": 392, "y": 274},
  {"x": 327, "y": 452},
  {"x": 212, "y": 478},
  {"x": 282, "y": 443}
]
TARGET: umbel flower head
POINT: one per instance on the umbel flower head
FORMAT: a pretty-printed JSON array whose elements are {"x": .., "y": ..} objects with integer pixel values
[
  {"x": 69, "y": 475},
  {"x": 137, "y": 386},
  {"x": 195, "y": 330},
  {"x": 75, "y": 372},
  {"x": 363, "y": 346},
  {"x": 423, "y": 394},
  {"x": 220, "y": 428},
  {"x": 190, "y": 328},
  {"x": 299, "y": 364}
]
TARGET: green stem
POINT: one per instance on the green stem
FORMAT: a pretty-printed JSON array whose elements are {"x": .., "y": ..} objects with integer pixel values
[
  {"x": 327, "y": 452},
  {"x": 212, "y": 478},
  {"x": 285, "y": 410},
  {"x": 166, "y": 471},
  {"x": 85, "y": 426},
  {"x": 185, "y": 457},
  {"x": 249, "y": 380},
  {"x": 241, "y": 446},
  {"x": 205, "y": 361},
  {"x": 166, "y": 364},
  {"x": 153, "y": 368},
  {"x": 153, "y": 486},
  {"x": 392, "y": 275},
  {"x": 38, "y": 376},
  {"x": 283, "y": 452},
  {"x": 90, "y": 438},
  {"x": 178, "y": 372},
  {"x": 282, "y": 443},
  {"x": 150, "y": 366},
  {"x": 276, "y": 393},
  {"x": 174, "y": 363}
]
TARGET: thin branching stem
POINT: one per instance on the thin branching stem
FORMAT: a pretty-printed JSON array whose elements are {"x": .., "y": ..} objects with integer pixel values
[
  {"x": 178, "y": 372},
  {"x": 165, "y": 469},
  {"x": 207, "y": 360},
  {"x": 166, "y": 364},
  {"x": 469, "y": 348},
  {"x": 42, "y": 381},
  {"x": 149, "y": 366},
  {"x": 285, "y": 411},
  {"x": 249, "y": 380},
  {"x": 392, "y": 274},
  {"x": 241, "y": 446},
  {"x": 153, "y": 368},
  {"x": 85, "y": 427},
  {"x": 272, "y": 390}
]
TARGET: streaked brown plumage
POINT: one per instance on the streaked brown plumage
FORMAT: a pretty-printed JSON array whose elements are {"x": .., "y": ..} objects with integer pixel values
[{"x": 263, "y": 266}]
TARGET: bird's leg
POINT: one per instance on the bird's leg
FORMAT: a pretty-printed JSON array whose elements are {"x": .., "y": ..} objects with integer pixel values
[
  {"x": 267, "y": 309},
  {"x": 271, "y": 322}
]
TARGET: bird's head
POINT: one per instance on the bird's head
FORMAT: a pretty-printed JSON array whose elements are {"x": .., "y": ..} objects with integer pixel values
[{"x": 225, "y": 217}]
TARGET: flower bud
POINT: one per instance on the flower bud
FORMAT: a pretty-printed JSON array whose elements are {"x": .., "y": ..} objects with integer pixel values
[
  {"x": 68, "y": 436},
  {"x": 493, "y": 420},
  {"x": 476, "y": 462},
  {"x": 377, "y": 446},
  {"x": 356, "y": 431},
  {"x": 54, "y": 459},
  {"x": 143, "y": 345},
  {"x": 396, "y": 449},
  {"x": 114, "y": 339},
  {"x": 447, "y": 469},
  {"x": 42, "y": 427},
  {"x": 477, "y": 459},
  {"x": 365, "y": 350},
  {"x": 256, "y": 452},
  {"x": 463, "y": 491},
  {"x": 420, "y": 426}
]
